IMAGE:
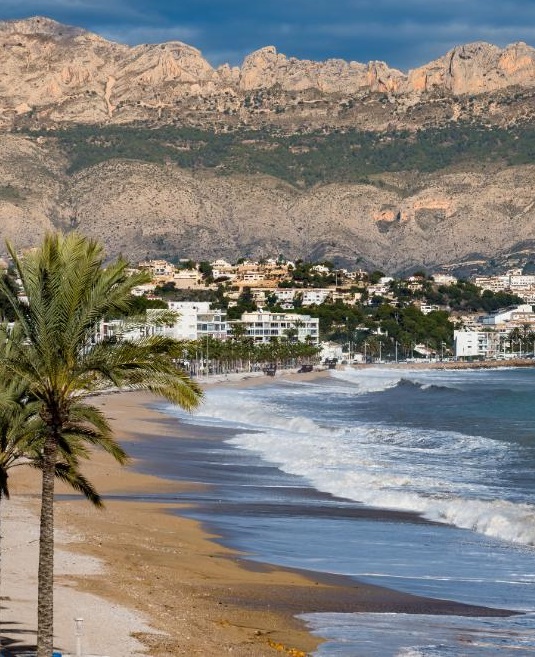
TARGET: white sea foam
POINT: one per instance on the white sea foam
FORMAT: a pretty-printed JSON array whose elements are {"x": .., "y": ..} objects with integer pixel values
[
  {"x": 445, "y": 476},
  {"x": 378, "y": 379},
  {"x": 365, "y": 473},
  {"x": 402, "y": 635},
  {"x": 370, "y": 380}
]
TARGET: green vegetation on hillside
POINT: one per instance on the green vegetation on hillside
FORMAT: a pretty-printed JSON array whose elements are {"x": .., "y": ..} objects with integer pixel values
[
  {"x": 300, "y": 159},
  {"x": 467, "y": 296},
  {"x": 10, "y": 193},
  {"x": 460, "y": 296}
]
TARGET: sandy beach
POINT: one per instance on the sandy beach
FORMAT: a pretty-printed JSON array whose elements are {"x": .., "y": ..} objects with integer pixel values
[{"x": 148, "y": 582}]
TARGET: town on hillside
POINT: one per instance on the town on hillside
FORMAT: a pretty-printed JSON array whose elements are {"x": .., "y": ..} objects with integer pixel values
[{"x": 317, "y": 311}]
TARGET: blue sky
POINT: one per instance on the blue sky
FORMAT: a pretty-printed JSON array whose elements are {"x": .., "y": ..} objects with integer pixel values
[{"x": 403, "y": 33}]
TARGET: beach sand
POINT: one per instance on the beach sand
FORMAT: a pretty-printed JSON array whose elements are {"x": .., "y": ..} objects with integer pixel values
[{"x": 146, "y": 581}]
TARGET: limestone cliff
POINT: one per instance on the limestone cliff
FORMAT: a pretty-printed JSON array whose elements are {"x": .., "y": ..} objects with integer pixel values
[
  {"x": 476, "y": 68},
  {"x": 142, "y": 209},
  {"x": 53, "y": 74}
]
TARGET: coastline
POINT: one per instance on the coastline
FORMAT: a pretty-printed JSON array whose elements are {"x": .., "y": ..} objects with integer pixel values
[
  {"x": 462, "y": 365},
  {"x": 189, "y": 594}
]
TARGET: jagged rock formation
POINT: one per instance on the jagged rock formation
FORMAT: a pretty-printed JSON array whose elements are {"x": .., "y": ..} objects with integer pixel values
[
  {"x": 266, "y": 68},
  {"x": 54, "y": 75},
  {"x": 476, "y": 68}
]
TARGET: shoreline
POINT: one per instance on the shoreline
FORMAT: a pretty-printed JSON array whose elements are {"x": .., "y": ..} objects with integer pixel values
[
  {"x": 461, "y": 365},
  {"x": 199, "y": 597}
]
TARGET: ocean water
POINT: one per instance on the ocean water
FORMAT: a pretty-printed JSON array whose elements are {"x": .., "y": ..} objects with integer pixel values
[{"x": 297, "y": 470}]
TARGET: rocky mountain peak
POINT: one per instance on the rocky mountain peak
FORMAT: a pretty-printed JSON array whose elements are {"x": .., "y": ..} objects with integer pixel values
[
  {"x": 475, "y": 68},
  {"x": 40, "y": 25},
  {"x": 54, "y": 74}
]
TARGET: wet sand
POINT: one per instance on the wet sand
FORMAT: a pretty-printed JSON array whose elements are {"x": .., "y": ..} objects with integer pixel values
[{"x": 194, "y": 596}]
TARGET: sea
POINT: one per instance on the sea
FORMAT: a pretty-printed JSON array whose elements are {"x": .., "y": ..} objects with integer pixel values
[{"x": 421, "y": 481}]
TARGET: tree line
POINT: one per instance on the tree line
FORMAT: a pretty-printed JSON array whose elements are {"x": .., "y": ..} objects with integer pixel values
[{"x": 241, "y": 353}]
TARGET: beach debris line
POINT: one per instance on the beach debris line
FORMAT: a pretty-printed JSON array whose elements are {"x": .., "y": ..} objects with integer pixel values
[{"x": 291, "y": 652}]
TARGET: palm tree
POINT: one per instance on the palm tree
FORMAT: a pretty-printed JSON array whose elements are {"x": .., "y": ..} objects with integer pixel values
[
  {"x": 21, "y": 433},
  {"x": 240, "y": 343},
  {"x": 298, "y": 324},
  {"x": 68, "y": 293},
  {"x": 291, "y": 334},
  {"x": 515, "y": 336}
]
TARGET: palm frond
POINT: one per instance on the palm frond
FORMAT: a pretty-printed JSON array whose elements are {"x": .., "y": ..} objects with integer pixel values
[
  {"x": 77, "y": 481},
  {"x": 69, "y": 474}
]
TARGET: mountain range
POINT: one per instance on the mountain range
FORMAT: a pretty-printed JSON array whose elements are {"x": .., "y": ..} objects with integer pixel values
[{"x": 336, "y": 160}]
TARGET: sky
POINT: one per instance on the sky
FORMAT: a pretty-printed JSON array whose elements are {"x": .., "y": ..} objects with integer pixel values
[{"x": 403, "y": 33}]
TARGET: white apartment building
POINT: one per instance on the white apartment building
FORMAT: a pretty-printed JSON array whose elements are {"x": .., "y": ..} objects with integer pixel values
[
  {"x": 212, "y": 323},
  {"x": 528, "y": 296},
  {"x": 487, "y": 345},
  {"x": 308, "y": 296},
  {"x": 521, "y": 281},
  {"x": 263, "y": 326},
  {"x": 222, "y": 268},
  {"x": 194, "y": 320},
  {"x": 514, "y": 281},
  {"x": 315, "y": 296},
  {"x": 492, "y": 283},
  {"x": 476, "y": 344},
  {"x": 490, "y": 338},
  {"x": 285, "y": 294},
  {"x": 382, "y": 288}
]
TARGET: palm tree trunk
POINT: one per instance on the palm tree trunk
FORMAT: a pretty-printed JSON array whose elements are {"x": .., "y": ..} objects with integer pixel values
[{"x": 45, "y": 593}]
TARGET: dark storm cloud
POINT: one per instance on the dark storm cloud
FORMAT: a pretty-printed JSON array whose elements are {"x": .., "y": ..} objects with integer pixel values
[{"x": 404, "y": 34}]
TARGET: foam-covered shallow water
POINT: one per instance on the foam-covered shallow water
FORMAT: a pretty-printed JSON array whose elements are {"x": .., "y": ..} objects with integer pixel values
[
  {"x": 302, "y": 461},
  {"x": 408, "y": 635}
]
